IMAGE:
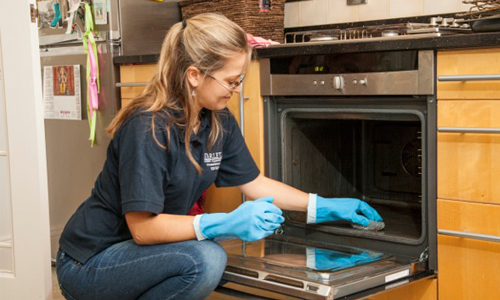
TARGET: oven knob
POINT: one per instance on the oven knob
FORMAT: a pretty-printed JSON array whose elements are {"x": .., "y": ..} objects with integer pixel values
[
  {"x": 322, "y": 82},
  {"x": 354, "y": 82},
  {"x": 362, "y": 81},
  {"x": 338, "y": 82},
  {"x": 315, "y": 82}
]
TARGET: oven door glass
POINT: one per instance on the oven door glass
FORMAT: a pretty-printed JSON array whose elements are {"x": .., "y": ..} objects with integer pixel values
[{"x": 299, "y": 269}]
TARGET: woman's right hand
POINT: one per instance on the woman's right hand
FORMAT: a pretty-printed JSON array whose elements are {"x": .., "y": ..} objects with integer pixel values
[{"x": 252, "y": 220}]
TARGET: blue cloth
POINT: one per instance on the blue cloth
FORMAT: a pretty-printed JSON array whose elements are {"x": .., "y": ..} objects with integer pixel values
[
  {"x": 251, "y": 221},
  {"x": 333, "y": 260},
  {"x": 127, "y": 271},
  {"x": 141, "y": 176}
]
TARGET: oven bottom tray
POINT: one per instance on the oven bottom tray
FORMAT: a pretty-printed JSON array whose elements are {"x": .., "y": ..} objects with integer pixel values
[{"x": 308, "y": 272}]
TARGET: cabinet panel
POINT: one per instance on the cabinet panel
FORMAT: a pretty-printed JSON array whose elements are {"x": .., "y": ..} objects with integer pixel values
[
  {"x": 468, "y": 269},
  {"x": 135, "y": 73},
  {"x": 468, "y": 167},
  {"x": 469, "y": 217},
  {"x": 469, "y": 163},
  {"x": 468, "y": 62}
]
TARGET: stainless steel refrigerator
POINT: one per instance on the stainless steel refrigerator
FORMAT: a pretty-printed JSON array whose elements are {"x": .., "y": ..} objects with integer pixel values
[{"x": 134, "y": 28}]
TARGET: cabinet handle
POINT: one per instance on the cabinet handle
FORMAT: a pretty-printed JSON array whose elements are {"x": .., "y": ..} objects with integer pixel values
[
  {"x": 130, "y": 84},
  {"x": 469, "y": 130},
  {"x": 468, "y": 77},
  {"x": 476, "y": 236}
]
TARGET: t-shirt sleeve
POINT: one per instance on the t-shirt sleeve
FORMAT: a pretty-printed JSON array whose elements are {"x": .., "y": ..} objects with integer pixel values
[
  {"x": 142, "y": 166},
  {"x": 237, "y": 166}
]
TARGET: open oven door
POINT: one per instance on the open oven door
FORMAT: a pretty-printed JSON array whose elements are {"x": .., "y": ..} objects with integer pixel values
[{"x": 301, "y": 269}]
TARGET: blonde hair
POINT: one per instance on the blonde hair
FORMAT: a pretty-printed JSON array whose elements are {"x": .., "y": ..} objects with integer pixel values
[{"x": 205, "y": 41}]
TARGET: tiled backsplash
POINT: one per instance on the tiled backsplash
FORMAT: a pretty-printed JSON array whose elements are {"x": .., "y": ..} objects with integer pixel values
[{"x": 318, "y": 12}]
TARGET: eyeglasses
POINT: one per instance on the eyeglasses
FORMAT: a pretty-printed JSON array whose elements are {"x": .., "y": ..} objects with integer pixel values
[{"x": 233, "y": 85}]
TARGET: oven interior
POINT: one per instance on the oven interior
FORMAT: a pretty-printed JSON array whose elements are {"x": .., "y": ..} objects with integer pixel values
[{"x": 370, "y": 156}]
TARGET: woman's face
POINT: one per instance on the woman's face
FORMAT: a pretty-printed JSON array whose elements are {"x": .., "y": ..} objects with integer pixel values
[{"x": 216, "y": 88}]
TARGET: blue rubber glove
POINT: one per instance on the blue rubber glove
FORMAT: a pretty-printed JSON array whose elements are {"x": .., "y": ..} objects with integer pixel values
[
  {"x": 322, "y": 259},
  {"x": 252, "y": 220},
  {"x": 335, "y": 209}
]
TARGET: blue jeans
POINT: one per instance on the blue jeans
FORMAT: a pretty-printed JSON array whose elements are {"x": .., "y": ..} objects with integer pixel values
[{"x": 183, "y": 270}]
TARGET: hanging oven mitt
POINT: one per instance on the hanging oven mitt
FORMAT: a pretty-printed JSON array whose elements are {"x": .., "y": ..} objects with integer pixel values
[
  {"x": 335, "y": 209},
  {"x": 251, "y": 221},
  {"x": 92, "y": 72},
  {"x": 323, "y": 259}
]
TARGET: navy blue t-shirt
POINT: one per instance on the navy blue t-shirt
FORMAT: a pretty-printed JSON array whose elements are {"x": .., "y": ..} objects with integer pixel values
[{"x": 141, "y": 176}]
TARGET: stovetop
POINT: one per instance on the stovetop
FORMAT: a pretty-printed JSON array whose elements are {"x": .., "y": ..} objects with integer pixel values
[{"x": 435, "y": 27}]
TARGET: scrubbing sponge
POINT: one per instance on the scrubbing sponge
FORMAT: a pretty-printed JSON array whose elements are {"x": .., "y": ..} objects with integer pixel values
[{"x": 374, "y": 226}]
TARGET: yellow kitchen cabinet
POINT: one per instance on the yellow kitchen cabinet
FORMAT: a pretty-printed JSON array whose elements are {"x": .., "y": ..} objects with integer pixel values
[
  {"x": 227, "y": 199},
  {"x": 468, "y": 268},
  {"x": 134, "y": 74},
  {"x": 469, "y": 163},
  {"x": 468, "y": 166},
  {"x": 468, "y": 62}
]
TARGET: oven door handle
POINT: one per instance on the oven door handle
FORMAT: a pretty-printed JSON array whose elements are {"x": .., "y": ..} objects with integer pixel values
[
  {"x": 476, "y": 236},
  {"x": 469, "y": 77},
  {"x": 470, "y": 130}
]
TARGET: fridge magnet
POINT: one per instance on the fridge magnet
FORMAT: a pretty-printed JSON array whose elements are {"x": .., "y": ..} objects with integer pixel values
[
  {"x": 100, "y": 12},
  {"x": 62, "y": 92},
  {"x": 46, "y": 13}
]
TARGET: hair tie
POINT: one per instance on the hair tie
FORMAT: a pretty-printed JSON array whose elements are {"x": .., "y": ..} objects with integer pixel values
[{"x": 184, "y": 23}]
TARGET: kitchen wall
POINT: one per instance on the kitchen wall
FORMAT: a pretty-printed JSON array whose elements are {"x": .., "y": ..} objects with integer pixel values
[{"x": 318, "y": 12}]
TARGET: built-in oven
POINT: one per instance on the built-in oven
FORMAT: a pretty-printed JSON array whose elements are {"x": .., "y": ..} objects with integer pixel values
[{"x": 355, "y": 125}]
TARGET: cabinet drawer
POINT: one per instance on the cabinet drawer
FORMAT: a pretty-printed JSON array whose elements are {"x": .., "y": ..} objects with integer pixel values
[
  {"x": 469, "y": 163},
  {"x": 468, "y": 269},
  {"x": 468, "y": 62},
  {"x": 468, "y": 217},
  {"x": 468, "y": 167}
]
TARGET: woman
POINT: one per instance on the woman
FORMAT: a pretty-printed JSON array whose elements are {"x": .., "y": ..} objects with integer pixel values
[{"x": 132, "y": 239}]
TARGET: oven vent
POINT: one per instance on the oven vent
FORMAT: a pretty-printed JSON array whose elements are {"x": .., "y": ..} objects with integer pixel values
[
  {"x": 241, "y": 271},
  {"x": 411, "y": 158},
  {"x": 286, "y": 281}
]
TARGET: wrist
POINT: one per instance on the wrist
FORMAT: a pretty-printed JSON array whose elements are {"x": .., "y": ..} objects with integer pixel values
[
  {"x": 311, "y": 208},
  {"x": 211, "y": 225}
]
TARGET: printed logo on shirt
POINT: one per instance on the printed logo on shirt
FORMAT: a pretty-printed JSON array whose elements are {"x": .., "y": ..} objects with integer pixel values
[{"x": 212, "y": 160}]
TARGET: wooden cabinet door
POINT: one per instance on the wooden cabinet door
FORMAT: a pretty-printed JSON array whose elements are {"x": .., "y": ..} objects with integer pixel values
[
  {"x": 469, "y": 163},
  {"x": 228, "y": 199},
  {"x": 468, "y": 62},
  {"x": 468, "y": 269},
  {"x": 134, "y": 73}
]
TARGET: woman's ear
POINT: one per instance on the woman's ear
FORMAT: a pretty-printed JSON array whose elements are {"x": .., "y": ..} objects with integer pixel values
[{"x": 194, "y": 76}]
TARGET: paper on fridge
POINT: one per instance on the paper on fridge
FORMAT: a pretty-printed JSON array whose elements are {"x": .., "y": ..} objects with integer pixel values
[{"x": 62, "y": 97}]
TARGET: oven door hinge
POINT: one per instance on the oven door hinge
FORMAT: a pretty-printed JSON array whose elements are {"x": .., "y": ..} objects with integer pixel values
[{"x": 424, "y": 255}]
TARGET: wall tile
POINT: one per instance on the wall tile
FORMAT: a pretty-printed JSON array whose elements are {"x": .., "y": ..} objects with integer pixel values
[
  {"x": 313, "y": 12},
  {"x": 292, "y": 14},
  {"x": 462, "y": 6},
  {"x": 373, "y": 10},
  {"x": 340, "y": 12},
  {"x": 406, "y": 8},
  {"x": 432, "y": 7}
]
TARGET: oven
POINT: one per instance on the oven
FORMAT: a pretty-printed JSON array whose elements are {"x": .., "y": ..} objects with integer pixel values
[{"x": 358, "y": 125}]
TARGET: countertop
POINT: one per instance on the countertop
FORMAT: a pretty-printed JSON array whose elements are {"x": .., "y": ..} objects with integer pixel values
[{"x": 456, "y": 41}]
